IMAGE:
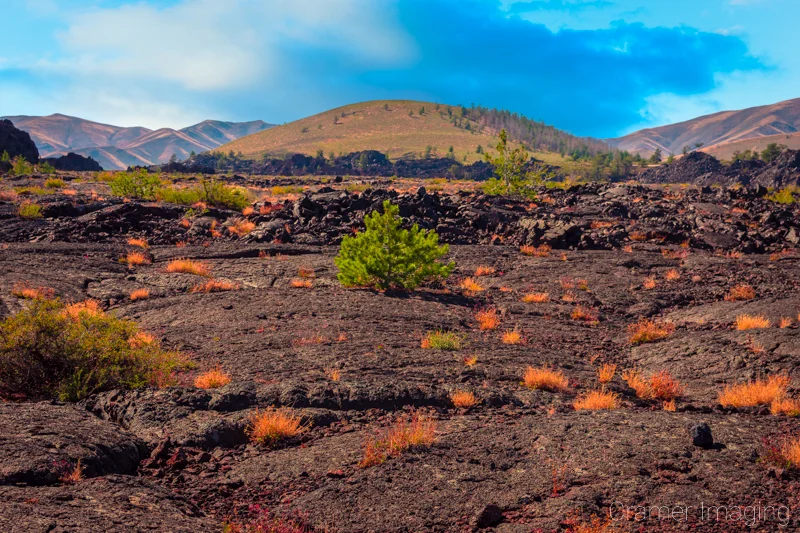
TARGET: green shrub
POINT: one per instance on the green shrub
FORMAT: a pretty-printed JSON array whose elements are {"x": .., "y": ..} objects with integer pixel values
[
  {"x": 47, "y": 168},
  {"x": 784, "y": 196},
  {"x": 443, "y": 340},
  {"x": 210, "y": 192},
  {"x": 71, "y": 351},
  {"x": 54, "y": 183},
  {"x": 20, "y": 167},
  {"x": 29, "y": 210},
  {"x": 387, "y": 257},
  {"x": 136, "y": 184}
]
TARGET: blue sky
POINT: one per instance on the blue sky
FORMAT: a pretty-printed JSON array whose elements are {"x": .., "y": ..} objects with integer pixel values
[{"x": 593, "y": 67}]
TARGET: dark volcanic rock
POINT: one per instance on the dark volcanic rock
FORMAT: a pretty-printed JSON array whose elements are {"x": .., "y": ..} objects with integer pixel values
[
  {"x": 42, "y": 441},
  {"x": 701, "y": 436},
  {"x": 74, "y": 162},
  {"x": 17, "y": 142}
]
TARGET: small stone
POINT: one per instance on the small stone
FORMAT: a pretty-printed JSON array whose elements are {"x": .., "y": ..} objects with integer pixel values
[
  {"x": 701, "y": 436},
  {"x": 489, "y": 516}
]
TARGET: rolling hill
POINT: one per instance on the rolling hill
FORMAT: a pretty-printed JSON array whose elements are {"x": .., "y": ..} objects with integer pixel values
[
  {"x": 726, "y": 150},
  {"x": 403, "y": 128},
  {"x": 117, "y": 148},
  {"x": 715, "y": 130}
]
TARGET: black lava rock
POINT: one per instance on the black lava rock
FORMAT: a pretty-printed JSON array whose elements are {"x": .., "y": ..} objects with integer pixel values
[
  {"x": 701, "y": 436},
  {"x": 17, "y": 142}
]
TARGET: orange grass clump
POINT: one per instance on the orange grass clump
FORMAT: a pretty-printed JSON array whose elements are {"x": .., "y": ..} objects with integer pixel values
[
  {"x": 187, "y": 266},
  {"x": 73, "y": 476},
  {"x": 536, "y": 298},
  {"x": 740, "y": 292},
  {"x": 536, "y": 251},
  {"x": 471, "y": 286},
  {"x": 758, "y": 392},
  {"x": 595, "y": 525},
  {"x": 463, "y": 399},
  {"x": 241, "y": 227},
  {"x": 420, "y": 431},
  {"x": 545, "y": 379},
  {"x": 136, "y": 259},
  {"x": 585, "y": 314},
  {"x": 487, "y": 318},
  {"x": 306, "y": 273},
  {"x": 249, "y": 210},
  {"x": 471, "y": 361},
  {"x": 184, "y": 223},
  {"x": 484, "y": 270},
  {"x": 513, "y": 336},
  {"x": 649, "y": 283},
  {"x": 596, "y": 400},
  {"x": 139, "y": 243},
  {"x": 215, "y": 285},
  {"x": 606, "y": 372},
  {"x": 672, "y": 275},
  {"x": 299, "y": 283},
  {"x": 212, "y": 379},
  {"x": 140, "y": 294},
  {"x": 646, "y": 331},
  {"x": 785, "y": 322},
  {"x": 659, "y": 386},
  {"x": 785, "y": 406},
  {"x": 274, "y": 425},
  {"x": 26, "y": 292},
  {"x": 334, "y": 374},
  {"x": 745, "y": 322}
]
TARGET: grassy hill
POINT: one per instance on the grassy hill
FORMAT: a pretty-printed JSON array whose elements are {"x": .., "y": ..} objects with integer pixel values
[
  {"x": 726, "y": 150},
  {"x": 398, "y": 128}
]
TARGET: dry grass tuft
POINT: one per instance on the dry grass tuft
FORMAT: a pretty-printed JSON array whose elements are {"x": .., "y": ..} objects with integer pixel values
[
  {"x": 274, "y": 425},
  {"x": 136, "y": 259},
  {"x": 745, "y": 322},
  {"x": 484, "y": 270},
  {"x": 184, "y": 223},
  {"x": 212, "y": 379},
  {"x": 85, "y": 308},
  {"x": 470, "y": 286},
  {"x": 463, "y": 399},
  {"x": 487, "y": 318},
  {"x": 187, "y": 266},
  {"x": 140, "y": 294},
  {"x": 139, "y": 243},
  {"x": 73, "y": 476},
  {"x": 418, "y": 432},
  {"x": 442, "y": 340},
  {"x": 585, "y": 314},
  {"x": 740, "y": 292},
  {"x": 545, "y": 379},
  {"x": 306, "y": 273},
  {"x": 249, "y": 210},
  {"x": 596, "y": 400},
  {"x": 513, "y": 336},
  {"x": 333, "y": 374},
  {"x": 785, "y": 322},
  {"x": 672, "y": 275},
  {"x": 300, "y": 283},
  {"x": 26, "y": 292},
  {"x": 606, "y": 372},
  {"x": 471, "y": 361},
  {"x": 646, "y": 331},
  {"x": 649, "y": 283},
  {"x": 536, "y": 298},
  {"x": 659, "y": 386},
  {"x": 240, "y": 226},
  {"x": 785, "y": 406},
  {"x": 670, "y": 406},
  {"x": 594, "y": 525},
  {"x": 536, "y": 251},
  {"x": 757, "y": 392},
  {"x": 215, "y": 285}
]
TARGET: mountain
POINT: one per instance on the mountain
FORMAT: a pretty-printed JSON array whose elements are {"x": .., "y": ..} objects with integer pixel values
[
  {"x": 716, "y": 130},
  {"x": 117, "y": 148},
  {"x": 406, "y": 128}
]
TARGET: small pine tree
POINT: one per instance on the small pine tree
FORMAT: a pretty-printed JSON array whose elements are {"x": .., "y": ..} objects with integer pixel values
[
  {"x": 5, "y": 158},
  {"x": 387, "y": 257}
]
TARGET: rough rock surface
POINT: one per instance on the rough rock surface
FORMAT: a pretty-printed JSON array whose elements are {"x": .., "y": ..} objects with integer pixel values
[
  {"x": 17, "y": 142},
  {"x": 74, "y": 162}
]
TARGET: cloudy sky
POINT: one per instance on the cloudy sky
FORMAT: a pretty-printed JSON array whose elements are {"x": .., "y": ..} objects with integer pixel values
[{"x": 593, "y": 67}]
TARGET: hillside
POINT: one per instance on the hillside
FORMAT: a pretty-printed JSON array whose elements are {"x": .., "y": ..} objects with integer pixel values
[
  {"x": 400, "y": 128},
  {"x": 725, "y": 151},
  {"x": 718, "y": 128},
  {"x": 116, "y": 147}
]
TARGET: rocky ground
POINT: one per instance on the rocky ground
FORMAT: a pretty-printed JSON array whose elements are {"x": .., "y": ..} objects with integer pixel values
[{"x": 178, "y": 459}]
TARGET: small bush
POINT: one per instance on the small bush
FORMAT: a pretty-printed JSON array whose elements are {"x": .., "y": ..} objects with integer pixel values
[
  {"x": 463, "y": 399},
  {"x": 139, "y": 294},
  {"x": 187, "y": 266},
  {"x": 596, "y": 400},
  {"x": 545, "y": 379},
  {"x": 136, "y": 184},
  {"x": 672, "y": 275},
  {"x": 25, "y": 291},
  {"x": 300, "y": 283},
  {"x": 274, "y": 425},
  {"x": 785, "y": 406},
  {"x": 215, "y": 285},
  {"x": 757, "y": 392},
  {"x": 740, "y": 292},
  {"x": 387, "y": 257},
  {"x": 745, "y": 322},
  {"x": 487, "y": 319},
  {"x": 646, "y": 331},
  {"x": 29, "y": 210},
  {"x": 212, "y": 379},
  {"x": 406, "y": 434},
  {"x": 240, "y": 227},
  {"x": 512, "y": 336},
  {"x": 53, "y": 350},
  {"x": 471, "y": 287},
  {"x": 585, "y": 314},
  {"x": 542, "y": 250},
  {"x": 136, "y": 259},
  {"x": 659, "y": 386},
  {"x": 606, "y": 373},
  {"x": 139, "y": 243},
  {"x": 54, "y": 183},
  {"x": 21, "y": 167},
  {"x": 536, "y": 298},
  {"x": 443, "y": 340}
]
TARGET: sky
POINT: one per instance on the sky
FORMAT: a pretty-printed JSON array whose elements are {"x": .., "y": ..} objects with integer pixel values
[{"x": 599, "y": 68}]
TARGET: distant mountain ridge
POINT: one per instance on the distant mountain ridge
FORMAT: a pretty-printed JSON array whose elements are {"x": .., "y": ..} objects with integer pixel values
[
  {"x": 116, "y": 147},
  {"x": 719, "y": 131}
]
